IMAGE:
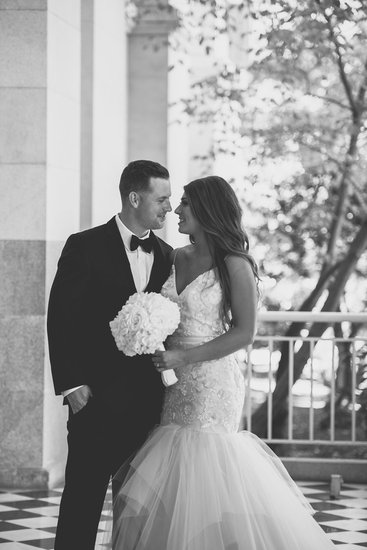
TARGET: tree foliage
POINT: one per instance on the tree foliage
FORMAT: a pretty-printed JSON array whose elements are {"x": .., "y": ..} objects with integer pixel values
[
  {"x": 295, "y": 108},
  {"x": 289, "y": 101}
]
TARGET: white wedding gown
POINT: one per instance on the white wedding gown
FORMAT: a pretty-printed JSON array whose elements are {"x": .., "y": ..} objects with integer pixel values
[{"x": 197, "y": 483}]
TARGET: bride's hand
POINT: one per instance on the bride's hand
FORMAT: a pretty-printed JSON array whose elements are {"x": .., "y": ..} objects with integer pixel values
[{"x": 165, "y": 360}]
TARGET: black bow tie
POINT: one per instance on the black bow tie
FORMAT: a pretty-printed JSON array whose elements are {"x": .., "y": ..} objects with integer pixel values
[{"x": 146, "y": 244}]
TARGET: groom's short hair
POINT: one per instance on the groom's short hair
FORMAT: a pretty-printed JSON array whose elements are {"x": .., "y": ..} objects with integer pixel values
[{"x": 136, "y": 176}]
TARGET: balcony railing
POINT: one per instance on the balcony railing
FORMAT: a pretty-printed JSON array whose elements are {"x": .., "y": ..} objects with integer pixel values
[{"x": 316, "y": 389}]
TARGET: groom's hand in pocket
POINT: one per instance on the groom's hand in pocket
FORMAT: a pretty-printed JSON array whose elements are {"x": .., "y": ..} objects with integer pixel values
[{"x": 79, "y": 398}]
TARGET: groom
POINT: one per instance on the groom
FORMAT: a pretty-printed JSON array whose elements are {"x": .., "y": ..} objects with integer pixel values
[{"x": 114, "y": 400}]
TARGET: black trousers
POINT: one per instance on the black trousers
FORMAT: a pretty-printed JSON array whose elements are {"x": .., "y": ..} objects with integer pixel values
[{"x": 100, "y": 439}]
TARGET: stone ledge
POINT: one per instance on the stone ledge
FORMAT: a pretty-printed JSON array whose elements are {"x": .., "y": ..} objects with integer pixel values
[
  {"x": 24, "y": 478},
  {"x": 320, "y": 469}
]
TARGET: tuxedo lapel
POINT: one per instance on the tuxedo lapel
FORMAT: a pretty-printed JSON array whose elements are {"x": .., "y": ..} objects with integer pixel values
[
  {"x": 119, "y": 259},
  {"x": 121, "y": 265},
  {"x": 158, "y": 269}
]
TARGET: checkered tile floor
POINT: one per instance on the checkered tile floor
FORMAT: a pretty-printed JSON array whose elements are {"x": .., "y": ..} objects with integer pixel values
[{"x": 28, "y": 518}]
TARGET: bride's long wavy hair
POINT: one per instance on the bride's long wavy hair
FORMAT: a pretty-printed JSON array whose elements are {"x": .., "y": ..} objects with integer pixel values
[{"x": 215, "y": 205}]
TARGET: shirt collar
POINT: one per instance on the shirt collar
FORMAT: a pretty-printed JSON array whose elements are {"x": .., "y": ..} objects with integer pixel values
[{"x": 126, "y": 233}]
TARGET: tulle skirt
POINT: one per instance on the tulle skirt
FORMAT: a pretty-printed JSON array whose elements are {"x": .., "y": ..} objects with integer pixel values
[{"x": 190, "y": 489}]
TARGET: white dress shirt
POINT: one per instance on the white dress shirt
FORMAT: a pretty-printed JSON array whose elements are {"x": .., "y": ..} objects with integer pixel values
[{"x": 141, "y": 264}]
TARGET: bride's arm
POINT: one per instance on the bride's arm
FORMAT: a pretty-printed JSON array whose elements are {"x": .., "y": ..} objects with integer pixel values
[{"x": 242, "y": 331}]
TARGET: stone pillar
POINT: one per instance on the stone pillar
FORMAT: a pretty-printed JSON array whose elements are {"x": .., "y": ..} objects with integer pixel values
[
  {"x": 178, "y": 158},
  {"x": 148, "y": 81},
  {"x": 39, "y": 171},
  {"x": 63, "y": 198},
  {"x": 109, "y": 107},
  {"x": 148, "y": 77},
  {"x": 62, "y": 82}
]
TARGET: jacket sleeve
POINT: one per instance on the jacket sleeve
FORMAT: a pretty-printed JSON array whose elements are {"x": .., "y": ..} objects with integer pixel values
[{"x": 67, "y": 316}]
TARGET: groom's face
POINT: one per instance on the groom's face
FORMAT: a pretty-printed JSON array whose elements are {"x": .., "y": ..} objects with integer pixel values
[{"x": 154, "y": 204}]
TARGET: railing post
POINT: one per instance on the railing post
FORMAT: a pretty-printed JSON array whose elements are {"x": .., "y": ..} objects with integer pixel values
[
  {"x": 311, "y": 415},
  {"x": 248, "y": 389},
  {"x": 290, "y": 387},
  {"x": 270, "y": 394},
  {"x": 354, "y": 372},
  {"x": 332, "y": 397}
]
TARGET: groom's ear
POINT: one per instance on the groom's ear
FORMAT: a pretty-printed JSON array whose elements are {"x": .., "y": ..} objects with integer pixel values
[{"x": 134, "y": 199}]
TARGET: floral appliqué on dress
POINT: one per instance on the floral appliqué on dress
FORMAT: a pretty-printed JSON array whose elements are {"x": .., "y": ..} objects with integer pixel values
[{"x": 208, "y": 395}]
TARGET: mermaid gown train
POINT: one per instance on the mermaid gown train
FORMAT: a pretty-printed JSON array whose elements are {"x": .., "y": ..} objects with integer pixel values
[{"x": 197, "y": 483}]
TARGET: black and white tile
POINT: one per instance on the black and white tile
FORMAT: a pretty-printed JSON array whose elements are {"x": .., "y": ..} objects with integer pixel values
[{"x": 28, "y": 518}]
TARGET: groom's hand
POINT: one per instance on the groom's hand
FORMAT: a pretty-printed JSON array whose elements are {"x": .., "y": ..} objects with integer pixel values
[{"x": 79, "y": 398}]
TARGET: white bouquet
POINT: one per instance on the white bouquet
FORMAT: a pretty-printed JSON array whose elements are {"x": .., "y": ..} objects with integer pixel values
[{"x": 143, "y": 324}]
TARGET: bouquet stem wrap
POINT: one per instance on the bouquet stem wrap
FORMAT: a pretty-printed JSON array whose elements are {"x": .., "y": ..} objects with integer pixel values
[
  {"x": 143, "y": 324},
  {"x": 168, "y": 376}
]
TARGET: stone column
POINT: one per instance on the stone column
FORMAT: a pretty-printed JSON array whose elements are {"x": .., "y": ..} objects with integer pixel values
[
  {"x": 178, "y": 131},
  {"x": 39, "y": 177},
  {"x": 63, "y": 209},
  {"x": 148, "y": 80},
  {"x": 109, "y": 107}
]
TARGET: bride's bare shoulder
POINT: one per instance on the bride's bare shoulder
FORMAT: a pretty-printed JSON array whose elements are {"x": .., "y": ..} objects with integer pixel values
[
  {"x": 182, "y": 253},
  {"x": 239, "y": 264}
]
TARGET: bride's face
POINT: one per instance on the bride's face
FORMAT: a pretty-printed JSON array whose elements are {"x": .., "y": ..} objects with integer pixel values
[{"x": 187, "y": 222}]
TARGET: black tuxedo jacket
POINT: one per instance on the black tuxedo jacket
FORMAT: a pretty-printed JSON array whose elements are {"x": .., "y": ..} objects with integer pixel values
[{"x": 92, "y": 283}]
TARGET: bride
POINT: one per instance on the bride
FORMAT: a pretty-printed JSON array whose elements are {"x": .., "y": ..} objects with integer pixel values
[{"x": 198, "y": 483}]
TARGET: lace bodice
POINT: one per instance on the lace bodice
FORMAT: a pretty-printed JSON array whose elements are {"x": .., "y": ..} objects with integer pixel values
[
  {"x": 199, "y": 304},
  {"x": 208, "y": 395}
]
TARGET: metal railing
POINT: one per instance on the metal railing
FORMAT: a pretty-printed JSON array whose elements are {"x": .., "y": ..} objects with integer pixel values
[{"x": 328, "y": 360}]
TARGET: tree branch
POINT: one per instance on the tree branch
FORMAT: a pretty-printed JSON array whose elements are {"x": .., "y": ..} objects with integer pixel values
[
  {"x": 359, "y": 196},
  {"x": 343, "y": 76},
  {"x": 362, "y": 90},
  {"x": 321, "y": 152},
  {"x": 330, "y": 100}
]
